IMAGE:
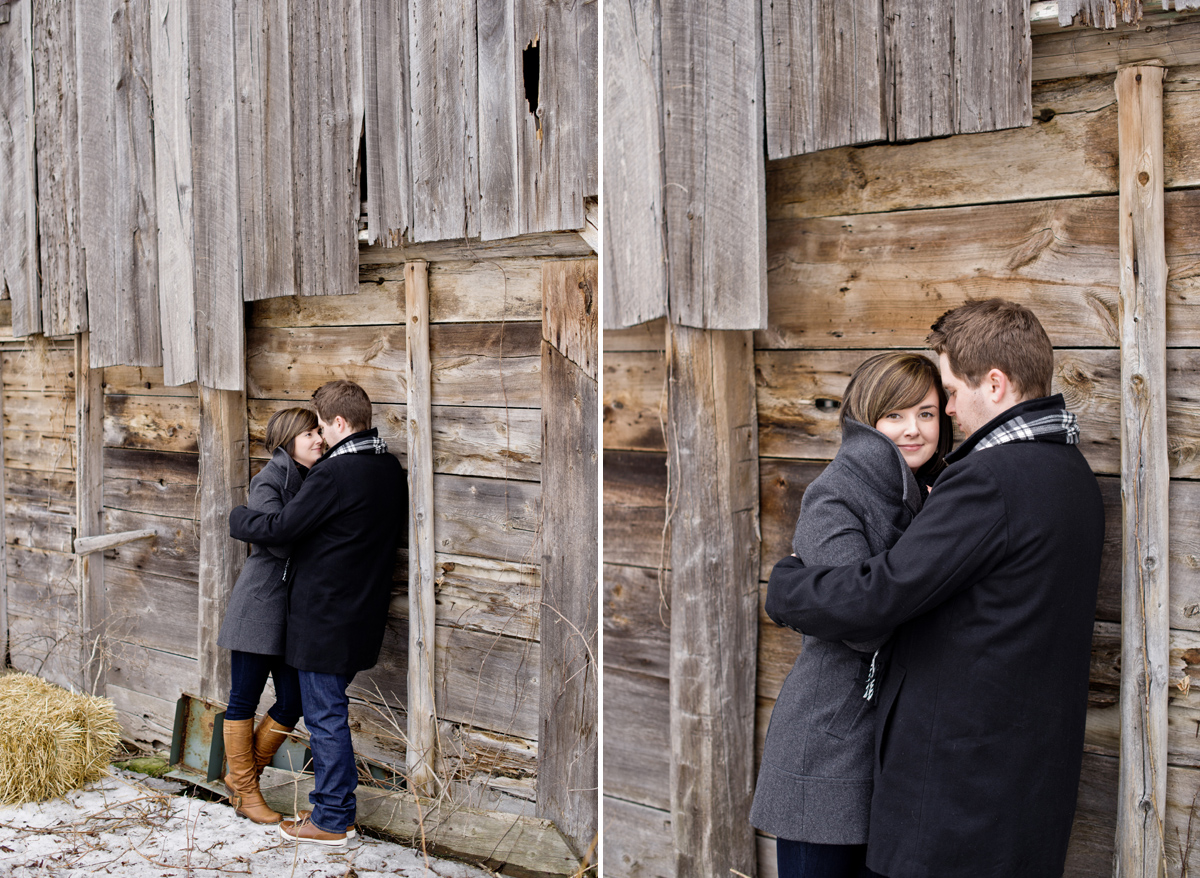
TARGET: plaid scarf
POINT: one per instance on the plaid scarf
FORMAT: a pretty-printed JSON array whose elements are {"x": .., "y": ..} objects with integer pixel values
[
  {"x": 367, "y": 443},
  {"x": 1057, "y": 426}
]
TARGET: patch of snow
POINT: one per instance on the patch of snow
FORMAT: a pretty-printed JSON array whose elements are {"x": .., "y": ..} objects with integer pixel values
[{"x": 123, "y": 826}]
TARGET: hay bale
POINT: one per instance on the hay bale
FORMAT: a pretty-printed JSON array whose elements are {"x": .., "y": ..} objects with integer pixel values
[{"x": 51, "y": 740}]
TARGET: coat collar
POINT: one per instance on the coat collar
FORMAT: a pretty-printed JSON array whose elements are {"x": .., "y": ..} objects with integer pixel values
[
  {"x": 1030, "y": 408},
  {"x": 878, "y": 461},
  {"x": 291, "y": 473}
]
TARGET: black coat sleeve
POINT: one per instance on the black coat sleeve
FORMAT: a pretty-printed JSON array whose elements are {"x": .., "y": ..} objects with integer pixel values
[
  {"x": 959, "y": 535},
  {"x": 316, "y": 503}
]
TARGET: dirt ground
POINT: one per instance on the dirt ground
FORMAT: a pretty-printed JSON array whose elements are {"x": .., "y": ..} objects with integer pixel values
[{"x": 134, "y": 826}]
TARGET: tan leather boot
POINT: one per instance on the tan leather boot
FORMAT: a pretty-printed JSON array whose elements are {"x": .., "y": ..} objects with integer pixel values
[
  {"x": 242, "y": 780},
  {"x": 268, "y": 738}
]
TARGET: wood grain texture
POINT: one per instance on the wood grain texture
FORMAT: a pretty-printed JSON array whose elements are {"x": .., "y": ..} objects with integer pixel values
[
  {"x": 56, "y": 116},
  {"x": 715, "y": 170},
  {"x": 501, "y": 108},
  {"x": 89, "y": 507},
  {"x": 386, "y": 120},
  {"x": 422, "y": 719},
  {"x": 486, "y": 518},
  {"x": 327, "y": 117},
  {"x": 713, "y": 450},
  {"x": 118, "y": 219},
  {"x": 823, "y": 65},
  {"x": 635, "y": 399},
  {"x": 444, "y": 119},
  {"x": 632, "y": 841},
  {"x": 568, "y": 781},
  {"x": 882, "y": 280},
  {"x": 570, "y": 311},
  {"x": 1145, "y": 477},
  {"x": 564, "y": 245},
  {"x": 152, "y": 611},
  {"x": 264, "y": 148},
  {"x": 169, "y": 44},
  {"x": 220, "y": 338},
  {"x": 155, "y": 423},
  {"x": 635, "y": 248},
  {"x": 637, "y": 620},
  {"x": 223, "y": 482},
  {"x": 1063, "y": 54},
  {"x": 637, "y": 764},
  {"x": 18, "y": 198},
  {"x": 4, "y": 512},
  {"x": 481, "y": 594},
  {"x": 635, "y": 509}
]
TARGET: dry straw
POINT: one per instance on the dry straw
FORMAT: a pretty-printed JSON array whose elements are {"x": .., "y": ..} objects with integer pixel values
[{"x": 51, "y": 740}]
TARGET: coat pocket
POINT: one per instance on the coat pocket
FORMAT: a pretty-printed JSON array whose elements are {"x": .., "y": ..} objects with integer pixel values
[{"x": 854, "y": 708}]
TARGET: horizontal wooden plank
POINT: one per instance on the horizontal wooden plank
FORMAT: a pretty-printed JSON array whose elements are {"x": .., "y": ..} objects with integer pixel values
[
  {"x": 146, "y": 721},
  {"x": 637, "y": 841},
  {"x": 1068, "y": 151},
  {"x": 881, "y": 280},
  {"x": 35, "y": 364},
  {"x": 649, "y": 336},
  {"x": 52, "y": 575},
  {"x": 38, "y": 524},
  {"x": 379, "y": 300},
  {"x": 481, "y": 594},
  {"x": 1087, "y": 51},
  {"x": 143, "y": 381},
  {"x": 559, "y": 245},
  {"x": 175, "y": 552},
  {"x": 797, "y": 418},
  {"x": 637, "y": 746},
  {"x": 154, "y": 611},
  {"x": 487, "y": 518},
  {"x": 159, "y": 673},
  {"x": 153, "y": 482},
  {"x": 41, "y": 452},
  {"x": 637, "y": 620},
  {"x": 485, "y": 680},
  {"x": 158, "y": 423},
  {"x": 49, "y": 648},
  {"x": 635, "y": 510},
  {"x": 467, "y": 292},
  {"x": 50, "y": 412},
  {"x": 635, "y": 400},
  {"x": 53, "y": 603},
  {"x": 54, "y": 490},
  {"x": 473, "y": 364}
]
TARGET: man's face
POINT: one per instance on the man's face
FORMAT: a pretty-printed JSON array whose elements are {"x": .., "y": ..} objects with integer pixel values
[
  {"x": 332, "y": 431},
  {"x": 967, "y": 405}
]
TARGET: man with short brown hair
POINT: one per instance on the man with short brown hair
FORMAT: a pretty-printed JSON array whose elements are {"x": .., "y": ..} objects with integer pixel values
[
  {"x": 990, "y": 593},
  {"x": 343, "y": 526}
]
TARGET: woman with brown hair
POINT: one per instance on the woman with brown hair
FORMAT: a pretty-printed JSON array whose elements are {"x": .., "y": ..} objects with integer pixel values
[
  {"x": 814, "y": 785},
  {"x": 254, "y": 624}
]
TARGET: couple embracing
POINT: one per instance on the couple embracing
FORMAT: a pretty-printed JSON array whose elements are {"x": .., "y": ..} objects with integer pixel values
[
  {"x": 310, "y": 606},
  {"x": 933, "y": 723}
]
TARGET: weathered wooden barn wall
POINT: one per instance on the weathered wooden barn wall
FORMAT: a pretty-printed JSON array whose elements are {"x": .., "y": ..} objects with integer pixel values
[{"x": 866, "y": 247}]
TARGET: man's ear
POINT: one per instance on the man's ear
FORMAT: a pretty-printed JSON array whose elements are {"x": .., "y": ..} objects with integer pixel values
[{"x": 997, "y": 384}]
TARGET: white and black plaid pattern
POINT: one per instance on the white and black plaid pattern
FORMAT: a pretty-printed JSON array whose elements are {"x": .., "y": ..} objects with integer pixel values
[
  {"x": 364, "y": 445},
  {"x": 1060, "y": 425}
]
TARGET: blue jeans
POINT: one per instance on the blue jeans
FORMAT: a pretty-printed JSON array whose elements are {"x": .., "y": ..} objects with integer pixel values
[
  {"x": 248, "y": 677},
  {"x": 327, "y": 715},
  {"x": 803, "y": 859}
]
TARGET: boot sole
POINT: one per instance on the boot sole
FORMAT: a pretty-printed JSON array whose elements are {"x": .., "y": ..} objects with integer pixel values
[{"x": 332, "y": 843}]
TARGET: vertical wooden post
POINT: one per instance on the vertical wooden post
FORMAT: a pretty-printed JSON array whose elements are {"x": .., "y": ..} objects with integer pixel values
[
  {"x": 89, "y": 480},
  {"x": 568, "y": 787},
  {"x": 3, "y": 548},
  {"x": 713, "y": 448},
  {"x": 422, "y": 715},
  {"x": 224, "y": 475},
  {"x": 1142, "y": 796}
]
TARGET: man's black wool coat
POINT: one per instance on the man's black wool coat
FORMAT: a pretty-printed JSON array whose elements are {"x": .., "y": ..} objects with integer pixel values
[
  {"x": 344, "y": 526},
  {"x": 992, "y": 594}
]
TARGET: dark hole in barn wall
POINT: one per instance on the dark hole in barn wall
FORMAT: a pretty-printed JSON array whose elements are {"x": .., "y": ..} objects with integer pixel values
[{"x": 531, "y": 66}]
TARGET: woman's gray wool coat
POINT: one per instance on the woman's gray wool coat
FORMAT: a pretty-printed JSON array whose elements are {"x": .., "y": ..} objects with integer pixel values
[
  {"x": 255, "y": 620},
  {"x": 814, "y": 784}
]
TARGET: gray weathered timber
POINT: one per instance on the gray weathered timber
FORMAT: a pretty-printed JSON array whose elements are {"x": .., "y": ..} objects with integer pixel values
[
  {"x": 1089, "y": 52},
  {"x": 715, "y": 164},
  {"x": 956, "y": 67},
  {"x": 118, "y": 219},
  {"x": 635, "y": 249},
  {"x": 1098, "y": 13},
  {"x": 173, "y": 190},
  {"x": 444, "y": 120},
  {"x": 327, "y": 115},
  {"x": 220, "y": 338},
  {"x": 555, "y": 140},
  {"x": 1142, "y": 796},
  {"x": 823, "y": 63},
  {"x": 224, "y": 477},
  {"x": 422, "y": 716},
  {"x": 568, "y": 780},
  {"x": 713, "y": 448},
  {"x": 385, "y": 107},
  {"x": 4, "y": 512},
  {"x": 89, "y": 480},
  {"x": 633, "y": 837},
  {"x": 264, "y": 148},
  {"x": 18, "y": 196},
  {"x": 502, "y": 106},
  {"x": 64, "y": 304}
]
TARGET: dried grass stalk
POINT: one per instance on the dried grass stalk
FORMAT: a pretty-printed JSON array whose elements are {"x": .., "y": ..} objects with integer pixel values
[{"x": 51, "y": 740}]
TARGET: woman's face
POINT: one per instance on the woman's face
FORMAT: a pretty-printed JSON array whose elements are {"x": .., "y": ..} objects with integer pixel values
[
  {"x": 914, "y": 430},
  {"x": 308, "y": 447}
]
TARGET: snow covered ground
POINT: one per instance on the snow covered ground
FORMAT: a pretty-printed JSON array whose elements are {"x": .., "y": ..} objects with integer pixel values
[{"x": 131, "y": 826}]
